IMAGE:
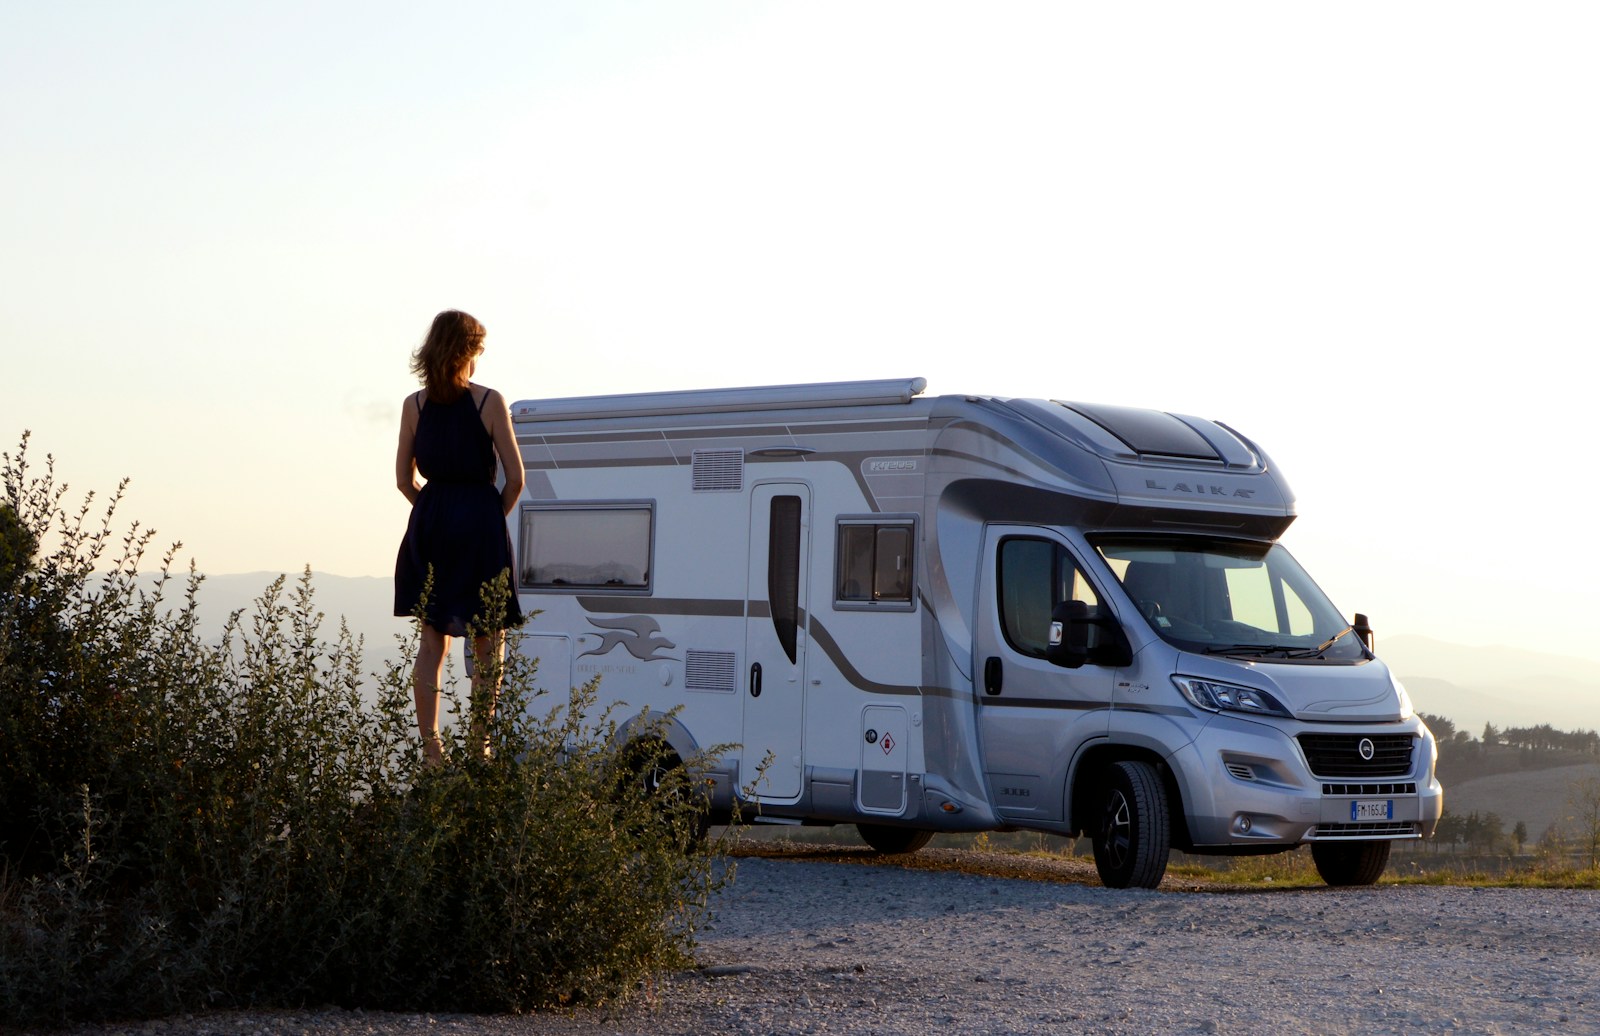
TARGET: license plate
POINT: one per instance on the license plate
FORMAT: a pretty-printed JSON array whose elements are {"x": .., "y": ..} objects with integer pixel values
[{"x": 1372, "y": 809}]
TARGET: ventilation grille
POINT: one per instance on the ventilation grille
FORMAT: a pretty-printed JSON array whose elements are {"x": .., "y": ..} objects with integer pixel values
[
  {"x": 1383, "y": 828},
  {"x": 709, "y": 670},
  {"x": 1407, "y": 788},
  {"x": 1241, "y": 771},
  {"x": 718, "y": 470},
  {"x": 1339, "y": 755}
]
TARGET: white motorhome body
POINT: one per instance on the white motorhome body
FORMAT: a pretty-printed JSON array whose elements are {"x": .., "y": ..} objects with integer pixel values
[{"x": 963, "y": 613}]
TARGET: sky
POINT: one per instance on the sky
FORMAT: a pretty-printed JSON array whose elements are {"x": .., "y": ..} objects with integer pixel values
[{"x": 1362, "y": 234}]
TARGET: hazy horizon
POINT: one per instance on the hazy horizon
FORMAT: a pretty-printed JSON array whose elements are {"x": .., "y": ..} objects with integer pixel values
[{"x": 1470, "y": 684}]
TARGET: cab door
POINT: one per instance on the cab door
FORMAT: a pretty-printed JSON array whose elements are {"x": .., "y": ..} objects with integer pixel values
[
  {"x": 775, "y": 641},
  {"x": 1033, "y": 715}
]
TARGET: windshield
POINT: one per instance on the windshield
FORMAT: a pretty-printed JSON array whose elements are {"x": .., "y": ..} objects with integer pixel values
[{"x": 1230, "y": 598}]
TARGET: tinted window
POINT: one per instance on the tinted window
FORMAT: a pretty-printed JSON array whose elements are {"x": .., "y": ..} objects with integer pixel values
[
  {"x": 1035, "y": 576},
  {"x": 585, "y": 547},
  {"x": 874, "y": 562}
]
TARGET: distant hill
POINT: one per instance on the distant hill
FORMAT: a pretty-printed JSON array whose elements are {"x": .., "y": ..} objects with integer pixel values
[
  {"x": 364, "y": 602},
  {"x": 1470, "y": 685},
  {"x": 1499, "y": 685},
  {"x": 1538, "y": 798}
]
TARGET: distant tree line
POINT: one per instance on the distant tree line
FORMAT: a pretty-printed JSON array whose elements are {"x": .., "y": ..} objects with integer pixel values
[
  {"x": 1463, "y": 757},
  {"x": 1543, "y": 738}
]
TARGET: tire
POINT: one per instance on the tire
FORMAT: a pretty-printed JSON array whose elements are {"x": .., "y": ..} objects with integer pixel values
[
  {"x": 893, "y": 840},
  {"x": 1343, "y": 864},
  {"x": 658, "y": 770},
  {"x": 1132, "y": 840}
]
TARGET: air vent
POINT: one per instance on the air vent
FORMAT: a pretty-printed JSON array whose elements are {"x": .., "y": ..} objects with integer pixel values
[
  {"x": 718, "y": 470},
  {"x": 1241, "y": 771},
  {"x": 709, "y": 670},
  {"x": 1381, "y": 829},
  {"x": 1404, "y": 788}
]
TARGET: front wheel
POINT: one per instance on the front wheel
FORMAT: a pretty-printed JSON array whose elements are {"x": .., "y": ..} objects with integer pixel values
[
  {"x": 1132, "y": 840},
  {"x": 1350, "y": 863},
  {"x": 893, "y": 840}
]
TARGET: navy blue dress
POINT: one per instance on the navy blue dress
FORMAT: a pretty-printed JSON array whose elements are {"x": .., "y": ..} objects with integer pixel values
[{"x": 457, "y": 529}]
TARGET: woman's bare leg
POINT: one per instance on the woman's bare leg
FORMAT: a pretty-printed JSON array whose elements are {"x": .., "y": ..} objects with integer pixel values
[
  {"x": 425, "y": 677},
  {"x": 488, "y": 663}
]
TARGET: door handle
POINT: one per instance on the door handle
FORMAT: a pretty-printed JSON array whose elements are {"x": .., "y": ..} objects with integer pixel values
[
  {"x": 993, "y": 675},
  {"x": 755, "y": 680}
]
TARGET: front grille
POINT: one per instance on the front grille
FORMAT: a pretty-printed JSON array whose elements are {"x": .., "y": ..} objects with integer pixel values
[
  {"x": 1407, "y": 788},
  {"x": 1380, "y": 829},
  {"x": 1339, "y": 755}
]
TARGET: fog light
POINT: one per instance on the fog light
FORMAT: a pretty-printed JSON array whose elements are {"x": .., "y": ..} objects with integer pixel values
[{"x": 1242, "y": 825}]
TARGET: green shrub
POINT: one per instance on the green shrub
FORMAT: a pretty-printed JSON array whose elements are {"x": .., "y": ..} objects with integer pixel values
[{"x": 188, "y": 824}]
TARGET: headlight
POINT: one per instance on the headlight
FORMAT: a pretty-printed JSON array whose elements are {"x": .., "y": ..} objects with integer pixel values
[
  {"x": 1217, "y": 697},
  {"x": 1406, "y": 709}
]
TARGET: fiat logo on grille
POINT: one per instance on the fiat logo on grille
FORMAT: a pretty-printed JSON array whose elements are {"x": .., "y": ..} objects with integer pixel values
[{"x": 1367, "y": 749}]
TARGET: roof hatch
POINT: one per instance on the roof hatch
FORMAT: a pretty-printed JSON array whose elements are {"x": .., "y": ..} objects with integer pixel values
[{"x": 1149, "y": 432}]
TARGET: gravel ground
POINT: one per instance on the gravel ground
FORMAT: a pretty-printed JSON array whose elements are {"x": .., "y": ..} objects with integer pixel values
[{"x": 808, "y": 941}]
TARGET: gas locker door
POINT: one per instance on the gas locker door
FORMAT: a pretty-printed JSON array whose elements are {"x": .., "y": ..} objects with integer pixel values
[
  {"x": 775, "y": 640},
  {"x": 884, "y": 739}
]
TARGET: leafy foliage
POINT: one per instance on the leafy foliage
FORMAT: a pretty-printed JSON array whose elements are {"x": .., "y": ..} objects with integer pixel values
[{"x": 188, "y": 825}]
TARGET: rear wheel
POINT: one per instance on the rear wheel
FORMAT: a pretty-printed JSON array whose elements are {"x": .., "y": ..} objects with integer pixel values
[
  {"x": 893, "y": 840},
  {"x": 1350, "y": 863},
  {"x": 1132, "y": 840},
  {"x": 678, "y": 804}
]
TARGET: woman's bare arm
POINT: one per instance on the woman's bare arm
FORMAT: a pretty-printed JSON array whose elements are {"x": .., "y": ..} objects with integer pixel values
[
  {"x": 498, "y": 416},
  {"x": 405, "y": 458}
]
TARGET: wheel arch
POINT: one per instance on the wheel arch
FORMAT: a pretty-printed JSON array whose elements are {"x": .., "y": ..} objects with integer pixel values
[
  {"x": 1086, "y": 786},
  {"x": 648, "y": 725}
]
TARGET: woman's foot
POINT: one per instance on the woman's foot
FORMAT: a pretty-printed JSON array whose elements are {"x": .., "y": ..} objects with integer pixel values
[{"x": 432, "y": 752}]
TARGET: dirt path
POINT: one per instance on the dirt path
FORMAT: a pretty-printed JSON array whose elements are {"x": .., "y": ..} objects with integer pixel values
[{"x": 821, "y": 941}]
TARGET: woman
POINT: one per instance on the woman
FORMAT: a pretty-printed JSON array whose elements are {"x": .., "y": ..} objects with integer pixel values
[{"x": 452, "y": 431}]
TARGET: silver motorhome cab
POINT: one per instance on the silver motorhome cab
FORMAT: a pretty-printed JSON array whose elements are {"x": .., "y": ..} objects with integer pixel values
[{"x": 963, "y": 613}]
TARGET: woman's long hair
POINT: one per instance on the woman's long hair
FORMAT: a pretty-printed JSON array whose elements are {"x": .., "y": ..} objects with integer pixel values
[{"x": 442, "y": 360}]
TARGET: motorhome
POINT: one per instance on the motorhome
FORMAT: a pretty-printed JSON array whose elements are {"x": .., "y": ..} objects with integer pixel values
[{"x": 964, "y": 613}]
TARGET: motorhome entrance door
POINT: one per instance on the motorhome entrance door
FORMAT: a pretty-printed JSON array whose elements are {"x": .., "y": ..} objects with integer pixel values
[{"x": 775, "y": 639}]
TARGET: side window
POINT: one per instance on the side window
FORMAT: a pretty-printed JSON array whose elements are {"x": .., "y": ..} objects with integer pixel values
[
  {"x": 783, "y": 571},
  {"x": 874, "y": 563},
  {"x": 585, "y": 547},
  {"x": 1035, "y": 576}
]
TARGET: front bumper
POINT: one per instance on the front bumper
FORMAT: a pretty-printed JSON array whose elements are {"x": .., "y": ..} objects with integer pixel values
[{"x": 1247, "y": 782}]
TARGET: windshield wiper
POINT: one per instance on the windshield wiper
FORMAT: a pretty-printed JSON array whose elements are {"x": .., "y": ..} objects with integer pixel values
[
  {"x": 1325, "y": 645},
  {"x": 1249, "y": 649}
]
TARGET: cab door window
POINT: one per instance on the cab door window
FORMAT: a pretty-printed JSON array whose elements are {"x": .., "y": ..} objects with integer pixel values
[{"x": 1036, "y": 575}]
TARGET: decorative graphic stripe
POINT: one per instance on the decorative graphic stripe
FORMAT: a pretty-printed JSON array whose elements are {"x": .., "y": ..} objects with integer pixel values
[
  {"x": 662, "y": 606},
  {"x": 830, "y": 647},
  {"x": 1155, "y": 710},
  {"x": 1069, "y": 704}
]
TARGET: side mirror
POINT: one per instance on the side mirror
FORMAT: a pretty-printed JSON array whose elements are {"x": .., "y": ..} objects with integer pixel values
[
  {"x": 1083, "y": 634},
  {"x": 1362, "y": 630}
]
